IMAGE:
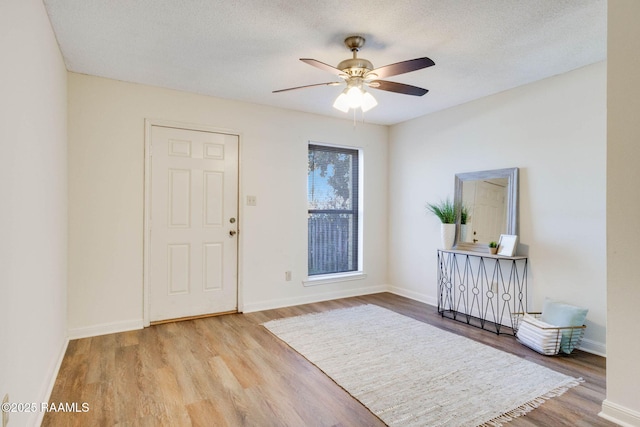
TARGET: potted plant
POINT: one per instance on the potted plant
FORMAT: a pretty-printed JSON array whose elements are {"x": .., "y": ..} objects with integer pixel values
[
  {"x": 446, "y": 211},
  {"x": 493, "y": 247},
  {"x": 464, "y": 217}
]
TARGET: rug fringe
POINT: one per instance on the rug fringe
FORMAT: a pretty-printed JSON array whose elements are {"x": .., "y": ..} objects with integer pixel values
[{"x": 531, "y": 405}]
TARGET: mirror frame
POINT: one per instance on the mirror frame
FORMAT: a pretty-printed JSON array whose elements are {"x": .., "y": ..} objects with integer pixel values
[{"x": 512, "y": 202}]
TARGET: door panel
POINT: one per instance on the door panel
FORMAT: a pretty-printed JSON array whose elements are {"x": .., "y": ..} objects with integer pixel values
[
  {"x": 490, "y": 208},
  {"x": 194, "y": 204}
]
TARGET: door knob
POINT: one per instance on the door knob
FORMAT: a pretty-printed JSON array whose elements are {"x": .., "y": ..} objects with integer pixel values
[{"x": 232, "y": 233}]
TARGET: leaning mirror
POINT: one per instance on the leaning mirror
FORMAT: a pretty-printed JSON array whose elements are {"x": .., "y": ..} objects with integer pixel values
[{"x": 490, "y": 207}]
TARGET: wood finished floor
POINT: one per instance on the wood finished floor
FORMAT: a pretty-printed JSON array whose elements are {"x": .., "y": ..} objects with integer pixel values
[{"x": 230, "y": 371}]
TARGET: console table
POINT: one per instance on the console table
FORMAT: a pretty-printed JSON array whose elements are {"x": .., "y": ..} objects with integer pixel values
[{"x": 482, "y": 289}]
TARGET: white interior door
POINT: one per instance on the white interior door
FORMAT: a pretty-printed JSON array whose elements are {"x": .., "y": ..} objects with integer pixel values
[
  {"x": 490, "y": 207},
  {"x": 193, "y": 245}
]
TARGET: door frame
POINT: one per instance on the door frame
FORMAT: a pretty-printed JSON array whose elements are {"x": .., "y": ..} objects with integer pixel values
[{"x": 148, "y": 124}]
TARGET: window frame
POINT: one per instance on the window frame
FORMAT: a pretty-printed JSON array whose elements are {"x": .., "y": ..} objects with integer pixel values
[{"x": 355, "y": 271}]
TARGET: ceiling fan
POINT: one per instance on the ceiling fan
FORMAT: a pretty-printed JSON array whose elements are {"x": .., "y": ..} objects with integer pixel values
[{"x": 359, "y": 72}]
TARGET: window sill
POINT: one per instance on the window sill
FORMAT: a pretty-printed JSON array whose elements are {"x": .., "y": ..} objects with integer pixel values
[{"x": 324, "y": 279}]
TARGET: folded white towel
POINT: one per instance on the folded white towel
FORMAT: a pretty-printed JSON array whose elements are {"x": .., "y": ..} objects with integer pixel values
[{"x": 533, "y": 334}]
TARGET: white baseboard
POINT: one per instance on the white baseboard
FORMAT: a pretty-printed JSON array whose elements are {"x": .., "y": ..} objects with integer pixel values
[
  {"x": 308, "y": 299},
  {"x": 593, "y": 347},
  {"x": 105, "y": 328},
  {"x": 36, "y": 417},
  {"x": 619, "y": 414},
  {"x": 417, "y": 296}
]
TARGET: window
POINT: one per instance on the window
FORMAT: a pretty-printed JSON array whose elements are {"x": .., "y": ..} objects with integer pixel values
[{"x": 332, "y": 198}]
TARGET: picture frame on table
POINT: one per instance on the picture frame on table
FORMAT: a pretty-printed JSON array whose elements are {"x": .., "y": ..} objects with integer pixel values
[{"x": 507, "y": 244}]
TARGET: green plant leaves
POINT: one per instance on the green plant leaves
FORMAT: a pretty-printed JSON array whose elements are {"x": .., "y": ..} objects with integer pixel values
[{"x": 445, "y": 210}]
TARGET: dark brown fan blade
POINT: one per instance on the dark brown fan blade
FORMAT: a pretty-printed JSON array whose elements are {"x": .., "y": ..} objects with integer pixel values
[
  {"x": 322, "y": 66},
  {"x": 397, "y": 87},
  {"x": 402, "y": 67},
  {"x": 302, "y": 87}
]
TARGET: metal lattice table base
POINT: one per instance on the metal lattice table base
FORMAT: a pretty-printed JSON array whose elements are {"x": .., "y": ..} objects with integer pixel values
[{"x": 482, "y": 290}]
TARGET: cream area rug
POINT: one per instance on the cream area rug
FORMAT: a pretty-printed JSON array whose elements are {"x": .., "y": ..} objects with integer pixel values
[{"x": 409, "y": 373}]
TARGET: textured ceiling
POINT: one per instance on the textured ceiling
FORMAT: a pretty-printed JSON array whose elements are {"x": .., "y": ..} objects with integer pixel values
[{"x": 245, "y": 49}]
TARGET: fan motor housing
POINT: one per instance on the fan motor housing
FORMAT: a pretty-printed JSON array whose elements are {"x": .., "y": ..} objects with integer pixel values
[{"x": 355, "y": 66}]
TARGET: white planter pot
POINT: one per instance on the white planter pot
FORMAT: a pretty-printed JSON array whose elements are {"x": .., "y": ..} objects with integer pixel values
[
  {"x": 448, "y": 235},
  {"x": 463, "y": 232}
]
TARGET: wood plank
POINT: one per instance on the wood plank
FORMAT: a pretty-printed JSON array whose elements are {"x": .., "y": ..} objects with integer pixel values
[{"x": 229, "y": 370}]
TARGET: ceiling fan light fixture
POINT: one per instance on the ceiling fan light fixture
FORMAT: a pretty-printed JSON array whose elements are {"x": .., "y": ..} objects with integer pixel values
[
  {"x": 368, "y": 102},
  {"x": 359, "y": 72},
  {"x": 342, "y": 102},
  {"x": 355, "y": 96}
]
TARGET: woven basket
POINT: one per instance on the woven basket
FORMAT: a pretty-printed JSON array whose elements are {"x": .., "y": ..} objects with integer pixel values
[{"x": 553, "y": 339}]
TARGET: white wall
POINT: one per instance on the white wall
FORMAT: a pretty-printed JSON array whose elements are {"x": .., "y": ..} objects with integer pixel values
[
  {"x": 33, "y": 205},
  {"x": 106, "y": 183},
  {"x": 554, "y": 130},
  {"x": 623, "y": 200}
]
